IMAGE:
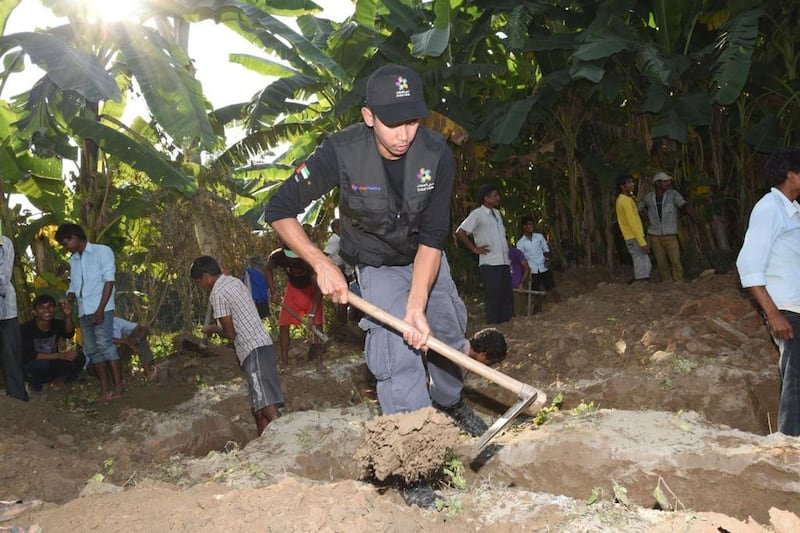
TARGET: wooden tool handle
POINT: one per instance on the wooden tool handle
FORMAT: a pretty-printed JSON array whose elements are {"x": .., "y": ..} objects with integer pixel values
[
  {"x": 207, "y": 322},
  {"x": 309, "y": 323},
  {"x": 523, "y": 390}
]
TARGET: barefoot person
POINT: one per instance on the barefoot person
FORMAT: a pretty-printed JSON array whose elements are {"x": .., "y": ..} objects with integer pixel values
[
  {"x": 395, "y": 179},
  {"x": 239, "y": 321},
  {"x": 92, "y": 273},
  {"x": 302, "y": 299}
]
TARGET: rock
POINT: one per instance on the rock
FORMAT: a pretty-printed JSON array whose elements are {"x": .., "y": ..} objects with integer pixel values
[
  {"x": 620, "y": 346},
  {"x": 726, "y": 331},
  {"x": 99, "y": 487},
  {"x": 784, "y": 521},
  {"x": 661, "y": 356}
]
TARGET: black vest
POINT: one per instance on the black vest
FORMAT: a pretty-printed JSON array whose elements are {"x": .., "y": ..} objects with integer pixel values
[{"x": 376, "y": 227}]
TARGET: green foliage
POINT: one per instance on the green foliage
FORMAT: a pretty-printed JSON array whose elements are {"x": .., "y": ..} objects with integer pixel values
[
  {"x": 454, "y": 470},
  {"x": 453, "y": 506},
  {"x": 544, "y": 413},
  {"x": 736, "y": 44},
  {"x": 79, "y": 398},
  {"x": 621, "y": 494},
  {"x": 584, "y": 408},
  {"x": 551, "y": 98},
  {"x": 684, "y": 366},
  {"x": 108, "y": 467},
  {"x": 664, "y": 502},
  {"x": 597, "y": 493}
]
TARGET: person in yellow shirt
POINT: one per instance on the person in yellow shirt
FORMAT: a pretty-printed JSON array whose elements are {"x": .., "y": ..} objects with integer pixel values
[{"x": 630, "y": 224}]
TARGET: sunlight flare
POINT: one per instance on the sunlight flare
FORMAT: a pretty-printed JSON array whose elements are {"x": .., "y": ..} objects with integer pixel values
[{"x": 113, "y": 11}]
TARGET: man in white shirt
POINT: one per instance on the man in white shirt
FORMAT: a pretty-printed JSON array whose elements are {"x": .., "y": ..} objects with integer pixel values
[
  {"x": 537, "y": 252},
  {"x": 768, "y": 264},
  {"x": 490, "y": 244},
  {"x": 10, "y": 340},
  {"x": 92, "y": 273}
]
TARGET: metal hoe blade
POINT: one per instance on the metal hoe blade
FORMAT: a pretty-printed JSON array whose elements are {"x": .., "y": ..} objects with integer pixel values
[
  {"x": 504, "y": 420},
  {"x": 527, "y": 394}
]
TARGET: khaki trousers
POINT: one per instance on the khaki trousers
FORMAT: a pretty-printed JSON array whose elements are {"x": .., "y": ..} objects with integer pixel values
[{"x": 667, "y": 250}]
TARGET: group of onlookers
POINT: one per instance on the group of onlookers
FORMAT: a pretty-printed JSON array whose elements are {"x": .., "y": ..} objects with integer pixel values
[
  {"x": 511, "y": 275},
  {"x": 767, "y": 262},
  {"x": 661, "y": 208},
  {"x": 395, "y": 180},
  {"x": 41, "y": 351}
]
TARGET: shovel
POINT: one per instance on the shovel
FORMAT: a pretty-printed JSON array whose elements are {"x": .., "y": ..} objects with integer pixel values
[
  {"x": 527, "y": 394},
  {"x": 308, "y": 323}
]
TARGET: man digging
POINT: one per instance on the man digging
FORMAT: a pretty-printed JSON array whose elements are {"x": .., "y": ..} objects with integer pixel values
[{"x": 395, "y": 179}]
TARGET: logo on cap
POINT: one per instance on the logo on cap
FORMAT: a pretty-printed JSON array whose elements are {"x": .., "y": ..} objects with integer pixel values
[{"x": 402, "y": 87}]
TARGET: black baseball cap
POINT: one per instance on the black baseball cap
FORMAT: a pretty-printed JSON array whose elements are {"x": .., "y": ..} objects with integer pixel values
[{"x": 394, "y": 94}]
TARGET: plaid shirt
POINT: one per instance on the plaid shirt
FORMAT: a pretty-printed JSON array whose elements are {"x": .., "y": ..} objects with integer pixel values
[{"x": 230, "y": 297}]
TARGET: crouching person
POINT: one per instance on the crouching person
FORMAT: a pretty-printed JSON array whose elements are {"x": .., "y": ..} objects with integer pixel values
[
  {"x": 44, "y": 361},
  {"x": 238, "y": 320}
]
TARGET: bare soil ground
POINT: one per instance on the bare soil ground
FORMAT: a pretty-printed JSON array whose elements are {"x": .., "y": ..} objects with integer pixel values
[{"x": 669, "y": 400}]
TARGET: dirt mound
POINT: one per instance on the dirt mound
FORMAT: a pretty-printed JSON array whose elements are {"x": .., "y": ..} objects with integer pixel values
[{"x": 668, "y": 396}]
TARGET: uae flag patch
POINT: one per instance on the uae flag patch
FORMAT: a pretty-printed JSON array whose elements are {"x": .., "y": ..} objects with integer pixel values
[{"x": 302, "y": 173}]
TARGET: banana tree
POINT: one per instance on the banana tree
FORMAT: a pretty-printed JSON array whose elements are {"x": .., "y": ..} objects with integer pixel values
[{"x": 88, "y": 69}]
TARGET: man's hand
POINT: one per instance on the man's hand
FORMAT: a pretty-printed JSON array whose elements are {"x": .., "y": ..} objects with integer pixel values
[
  {"x": 276, "y": 298},
  {"x": 420, "y": 331},
  {"x": 66, "y": 306},
  {"x": 482, "y": 250},
  {"x": 68, "y": 355},
  {"x": 331, "y": 281},
  {"x": 97, "y": 317},
  {"x": 212, "y": 329},
  {"x": 779, "y": 326}
]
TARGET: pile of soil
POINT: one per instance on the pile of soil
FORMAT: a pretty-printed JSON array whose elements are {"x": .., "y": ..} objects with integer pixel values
[{"x": 665, "y": 406}]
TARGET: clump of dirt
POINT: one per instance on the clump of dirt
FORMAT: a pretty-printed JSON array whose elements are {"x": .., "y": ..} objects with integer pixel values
[{"x": 408, "y": 446}]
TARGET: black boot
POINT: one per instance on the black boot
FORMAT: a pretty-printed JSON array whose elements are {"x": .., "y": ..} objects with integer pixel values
[
  {"x": 421, "y": 494},
  {"x": 464, "y": 417}
]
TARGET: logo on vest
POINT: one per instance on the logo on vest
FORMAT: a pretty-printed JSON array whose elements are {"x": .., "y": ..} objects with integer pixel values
[
  {"x": 402, "y": 87},
  {"x": 425, "y": 180},
  {"x": 364, "y": 188}
]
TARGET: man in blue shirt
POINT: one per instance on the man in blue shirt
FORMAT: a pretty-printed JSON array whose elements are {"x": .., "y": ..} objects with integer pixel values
[
  {"x": 92, "y": 272},
  {"x": 768, "y": 266}
]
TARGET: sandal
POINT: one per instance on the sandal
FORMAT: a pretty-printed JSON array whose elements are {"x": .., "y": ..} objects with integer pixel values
[
  {"x": 10, "y": 510},
  {"x": 35, "y": 528}
]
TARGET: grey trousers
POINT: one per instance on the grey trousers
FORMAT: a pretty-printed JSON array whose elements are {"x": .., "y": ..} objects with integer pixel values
[
  {"x": 11, "y": 357},
  {"x": 403, "y": 384},
  {"x": 641, "y": 261}
]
